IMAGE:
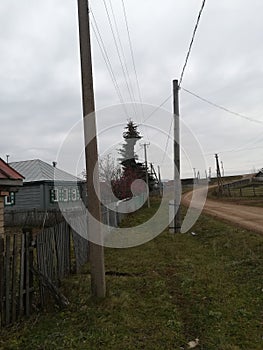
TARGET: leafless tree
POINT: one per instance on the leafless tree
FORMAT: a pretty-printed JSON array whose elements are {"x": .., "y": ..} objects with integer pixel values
[{"x": 109, "y": 169}]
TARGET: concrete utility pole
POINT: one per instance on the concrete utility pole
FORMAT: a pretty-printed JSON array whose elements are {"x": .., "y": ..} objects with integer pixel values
[
  {"x": 222, "y": 168},
  {"x": 218, "y": 174},
  {"x": 177, "y": 180},
  {"x": 210, "y": 172},
  {"x": 96, "y": 251},
  {"x": 160, "y": 181},
  {"x": 146, "y": 172},
  {"x": 194, "y": 173}
]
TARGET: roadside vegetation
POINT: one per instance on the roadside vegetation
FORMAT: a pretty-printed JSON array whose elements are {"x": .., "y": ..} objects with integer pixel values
[
  {"x": 205, "y": 284},
  {"x": 249, "y": 194}
]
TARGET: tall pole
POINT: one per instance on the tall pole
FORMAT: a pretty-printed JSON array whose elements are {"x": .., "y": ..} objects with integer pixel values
[
  {"x": 160, "y": 181},
  {"x": 194, "y": 173},
  {"x": 222, "y": 168},
  {"x": 177, "y": 181},
  {"x": 96, "y": 250},
  {"x": 218, "y": 174},
  {"x": 146, "y": 172},
  {"x": 210, "y": 173}
]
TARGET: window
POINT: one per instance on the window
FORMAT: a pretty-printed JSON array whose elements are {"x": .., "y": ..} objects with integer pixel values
[
  {"x": 10, "y": 200},
  {"x": 64, "y": 195},
  {"x": 54, "y": 195},
  {"x": 73, "y": 194}
]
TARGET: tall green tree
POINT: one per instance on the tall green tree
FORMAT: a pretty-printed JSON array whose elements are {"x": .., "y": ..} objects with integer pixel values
[
  {"x": 131, "y": 168},
  {"x": 131, "y": 136}
]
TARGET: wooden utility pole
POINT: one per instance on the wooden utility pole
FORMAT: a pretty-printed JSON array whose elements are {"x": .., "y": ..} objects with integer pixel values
[
  {"x": 96, "y": 250},
  {"x": 146, "y": 172},
  {"x": 177, "y": 180}
]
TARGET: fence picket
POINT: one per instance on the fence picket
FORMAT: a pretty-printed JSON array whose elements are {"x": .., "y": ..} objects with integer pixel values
[
  {"x": 21, "y": 278},
  {"x": 54, "y": 260},
  {"x": 7, "y": 285},
  {"x": 14, "y": 278},
  {"x": 1, "y": 281}
]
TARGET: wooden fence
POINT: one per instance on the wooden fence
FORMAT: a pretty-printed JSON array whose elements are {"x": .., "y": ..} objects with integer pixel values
[
  {"x": 32, "y": 218},
  {"x": 31, "y": 269},
  {"x": 16, "y": 277},
  {"x": 250, "y": 190}
]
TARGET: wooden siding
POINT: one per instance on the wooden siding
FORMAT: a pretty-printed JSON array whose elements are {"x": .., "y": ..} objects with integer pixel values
[
  {"x": 37, "y": 196},
  {"x": 28, "y": 197},
  {"x": 1, "y": 216}
]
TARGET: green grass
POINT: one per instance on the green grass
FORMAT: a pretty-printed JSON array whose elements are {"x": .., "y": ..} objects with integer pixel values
[{"x": 162, "y": 295}]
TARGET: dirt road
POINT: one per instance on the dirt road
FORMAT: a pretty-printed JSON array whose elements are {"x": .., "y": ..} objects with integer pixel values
[{"x": 243, "y": 215}]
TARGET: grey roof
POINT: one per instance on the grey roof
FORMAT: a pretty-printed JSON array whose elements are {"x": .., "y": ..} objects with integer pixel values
[{"x": 37, "y": 170}]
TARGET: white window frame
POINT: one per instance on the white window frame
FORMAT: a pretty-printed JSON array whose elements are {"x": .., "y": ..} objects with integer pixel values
[
  {"x": 65, "y": 192},
  {"x": 9, "y": 200},
  {"x": 54, "y": 195}
]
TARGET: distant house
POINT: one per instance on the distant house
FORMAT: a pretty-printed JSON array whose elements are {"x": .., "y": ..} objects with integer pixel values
[
  {"x": 259, "y": 175},
  {"x": 10, "y": 180},
  {"x": 45, "y": 186}
]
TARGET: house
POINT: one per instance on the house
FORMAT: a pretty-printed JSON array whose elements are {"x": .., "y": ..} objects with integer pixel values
[
  {"x": 45, "y": 186},
  {"x": 10, "y": 181},
  {"x": 259, "y": 176}
]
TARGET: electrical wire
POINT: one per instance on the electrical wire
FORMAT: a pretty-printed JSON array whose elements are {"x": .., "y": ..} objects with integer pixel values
[
  {"x": 167, "y": 141},
  {"x": 107, "y": 60},
  {"x": 132, "y": 56},
  {"x": 191, "y": 43},
  {"x": 118, "y": 51},
  {"x": 122, "y": 50},
  {"x": 235, "y": 150},
  {"x": 223, "y": 108},
  {"x": 157, "y": 108}
]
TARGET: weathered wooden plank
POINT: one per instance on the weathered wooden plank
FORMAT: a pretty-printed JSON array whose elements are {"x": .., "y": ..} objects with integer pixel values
[
  {"x": 27, "y": 286},
  {"x": 58, "y": 250},
  {"x": 14, "y": 278},
  {"x": 21, "y": 277},
  {"x": 67, "y": 249},
  {"x": 81, "y": 250},
  {"x": 7, "y": 278},
  {"x": 31, "y": 275},
  {"x": 1, "y": 281},
  {"x": 28, "y": 272},
  {"x": 39, "y": 247},
  {"x": 62, "y": 241}
]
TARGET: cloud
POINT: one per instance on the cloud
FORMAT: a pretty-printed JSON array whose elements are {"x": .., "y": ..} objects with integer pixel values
[{"x": 40, "y": 94}]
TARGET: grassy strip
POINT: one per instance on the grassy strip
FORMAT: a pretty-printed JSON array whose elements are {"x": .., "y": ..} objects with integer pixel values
[{"x": 162, "y": 295}]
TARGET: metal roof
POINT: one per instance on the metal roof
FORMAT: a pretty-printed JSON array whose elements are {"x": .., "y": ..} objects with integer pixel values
[{"x": 37, "y": 170}]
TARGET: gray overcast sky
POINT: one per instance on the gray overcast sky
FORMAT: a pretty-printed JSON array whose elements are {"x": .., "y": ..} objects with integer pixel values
[{"x": 40, "y": 78}]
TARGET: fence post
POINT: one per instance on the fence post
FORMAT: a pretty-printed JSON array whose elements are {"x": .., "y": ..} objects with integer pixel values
[
  {"x": 28, "y": 274},
  {"x": 22, "y": 268},
  {"x": 1, "y": 281},
  {"x": 14, "y": 279},
  {"x": 7, "y": 281}
]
